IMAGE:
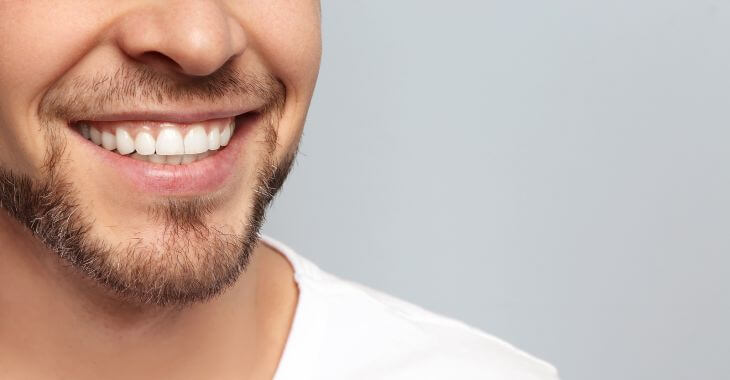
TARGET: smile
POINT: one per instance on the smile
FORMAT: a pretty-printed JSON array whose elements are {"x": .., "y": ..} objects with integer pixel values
[
  {"x": 160, "y": 142},
  {"x": 168, "y": 158}
]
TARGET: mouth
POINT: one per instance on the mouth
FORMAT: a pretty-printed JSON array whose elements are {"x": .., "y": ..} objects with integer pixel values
[
  {"x": 169, "y": 158},
  {"x": 160, "y": 142}
]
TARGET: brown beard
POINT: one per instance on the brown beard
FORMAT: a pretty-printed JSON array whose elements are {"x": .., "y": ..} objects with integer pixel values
[{"x": 193, "y": 260}]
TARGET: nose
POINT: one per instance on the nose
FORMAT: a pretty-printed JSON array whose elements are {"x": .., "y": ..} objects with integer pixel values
[{"x": 192, "y": 37}]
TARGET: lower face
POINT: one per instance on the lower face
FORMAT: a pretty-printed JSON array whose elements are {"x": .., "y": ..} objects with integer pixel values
[{"x": 153, "y": 183}]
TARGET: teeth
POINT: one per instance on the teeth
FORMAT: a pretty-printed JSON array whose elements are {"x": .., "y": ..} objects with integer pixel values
[
  {"x": 125, "y": 143},
  {"x": 225, "y": 135},
  {"x": 170, "y": 142},
  {"x": 175, "y": 159},
  {"x": 95, "y": 135},
  {"x": 187, "y": 158},
  {"x": 196, "y": 141},
  {"x": 169, "y": 147},
  {"x": 214, "y": 139},
  {"x": 85, "y": 130},
  {"x": 108, "y": 141},
  {"x": 144, "y": 143},
  {"x": 156, "y": 159}
]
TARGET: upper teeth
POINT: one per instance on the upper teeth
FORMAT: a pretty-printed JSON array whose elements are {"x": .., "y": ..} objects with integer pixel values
[{"x": 198, "y": 138}]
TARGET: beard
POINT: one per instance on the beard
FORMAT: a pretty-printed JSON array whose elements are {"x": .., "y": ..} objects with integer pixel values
[{"x": 192, "y": 260}]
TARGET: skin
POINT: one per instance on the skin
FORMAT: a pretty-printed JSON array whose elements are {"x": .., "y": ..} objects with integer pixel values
[{"x": 54, "y": 322}]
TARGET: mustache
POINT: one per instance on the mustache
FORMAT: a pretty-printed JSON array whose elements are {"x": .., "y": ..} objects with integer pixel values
[{"x": 131, "y": 85}]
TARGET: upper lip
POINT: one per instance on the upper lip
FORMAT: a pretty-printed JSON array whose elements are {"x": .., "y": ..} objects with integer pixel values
[{"x": 182, "y": 115}]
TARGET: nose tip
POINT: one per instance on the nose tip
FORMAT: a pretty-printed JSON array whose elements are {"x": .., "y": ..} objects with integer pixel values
[{"x": 191, "y": 37}]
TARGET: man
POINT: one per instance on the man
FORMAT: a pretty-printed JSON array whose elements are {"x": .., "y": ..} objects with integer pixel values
[{"x": 140, "y": 143}]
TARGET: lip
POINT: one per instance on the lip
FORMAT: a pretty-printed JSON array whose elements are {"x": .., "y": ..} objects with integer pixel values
[
  {"x": 199, "y": 177},
  {"x": 173, "y": 116}
]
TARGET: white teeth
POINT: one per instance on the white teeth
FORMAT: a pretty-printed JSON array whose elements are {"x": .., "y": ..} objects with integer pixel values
[
  {"x": 125, "y": 143},
  {"x": 174, "y": 159},
  {"x": 85, "y": 130},
  {"x": 144, "y": 143},
  {"x": 108, "y": 141},
  {"x": 169, "y": 142},
  {"x": 196, "y": 141},
  {"x": 95, "y": 135},
  {"x": 214, "y": 139},
  {"x": 188, "y": 158},
  {"x": 139, "y": 157},
  {"x": 156, "y": 159},
  {"x": 170, "y": 147},
  {"x": 225, "y": 135}
]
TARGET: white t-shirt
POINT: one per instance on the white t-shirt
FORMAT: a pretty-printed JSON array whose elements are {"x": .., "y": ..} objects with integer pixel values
[{"x": 346, "y": 331}]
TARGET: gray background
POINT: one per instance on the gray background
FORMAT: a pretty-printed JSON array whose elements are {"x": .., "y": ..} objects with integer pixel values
[{"x": 553, "y": 172}]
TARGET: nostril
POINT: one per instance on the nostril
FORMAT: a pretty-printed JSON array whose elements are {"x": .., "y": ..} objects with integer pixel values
[{"x": 155, "y": 58}]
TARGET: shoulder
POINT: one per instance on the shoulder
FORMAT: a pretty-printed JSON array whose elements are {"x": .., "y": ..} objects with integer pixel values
[
  {"x": 422, "y": 344},
  {"x": 367, "y": 334}
]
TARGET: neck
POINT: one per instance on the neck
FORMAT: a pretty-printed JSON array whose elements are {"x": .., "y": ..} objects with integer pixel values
[{"x": 55, "y": 323}]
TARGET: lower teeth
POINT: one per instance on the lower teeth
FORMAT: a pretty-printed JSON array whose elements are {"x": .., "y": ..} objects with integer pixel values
[{"x": 171, "y": 160}]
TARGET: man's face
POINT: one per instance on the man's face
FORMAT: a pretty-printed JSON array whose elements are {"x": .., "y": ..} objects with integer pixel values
[{"x": 141, "y": 140}]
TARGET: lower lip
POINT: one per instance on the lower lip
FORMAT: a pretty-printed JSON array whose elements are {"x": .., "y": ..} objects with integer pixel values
[{"x": 199, "y": 177}]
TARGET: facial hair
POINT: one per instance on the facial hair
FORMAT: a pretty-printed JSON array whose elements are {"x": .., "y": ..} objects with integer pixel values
[{"x": 193, "y": 260}]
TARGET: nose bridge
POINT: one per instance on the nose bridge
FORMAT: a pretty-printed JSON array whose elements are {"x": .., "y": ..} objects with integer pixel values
[{"x": 195, "y": 37}]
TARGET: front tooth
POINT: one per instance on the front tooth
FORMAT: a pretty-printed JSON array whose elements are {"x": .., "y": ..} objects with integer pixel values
[
  {"x": 125, "y": 143},
  {"x": 214, "y": 139},
  {"x": 95, "y": 135},
  {"x": 188, "y": 158},
  {"x": 108, "y": 141},
  {"x": 169, "y": 142},
  {"x": 144, "y": 143},
  {"x": 225, "y": 135},
  {"x": 196, "y": 141},
  {"x": 174, "y": 159}
]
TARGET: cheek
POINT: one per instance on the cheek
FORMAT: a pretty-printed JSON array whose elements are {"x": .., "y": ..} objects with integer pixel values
[
  {"x": 39, "y": 43},
  {"x": 286, "y": 32},
  {"x": 286, "y": 35},
  {"x": 294, "y": 50}
]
